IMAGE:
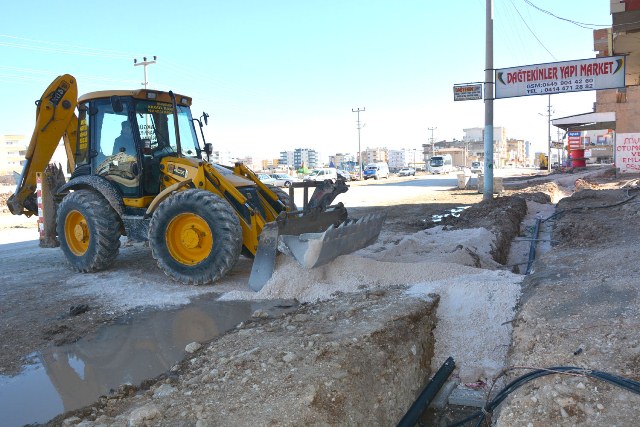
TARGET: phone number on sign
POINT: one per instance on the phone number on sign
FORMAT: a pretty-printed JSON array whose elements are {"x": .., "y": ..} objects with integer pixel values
[{"x": 560, "y": 86}]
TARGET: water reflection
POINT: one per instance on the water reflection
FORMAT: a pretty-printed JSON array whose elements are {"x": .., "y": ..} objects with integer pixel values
[{"x": 73, "y": 376}]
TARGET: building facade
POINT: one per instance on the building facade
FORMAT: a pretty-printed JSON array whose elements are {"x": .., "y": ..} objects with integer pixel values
[
  {"x": 13, "y": 148},
  {"x": 398, "y": 159},
  {"x": 622, "y": 39},
  {"x": 473, "y": 136},
  {"x": 294, "y": 159},
  {"x": 286, "y": 159},
  {"x": 373, "y": 155},
  {"x": 344, "y": 161},
  {"x": 305, "y": 155}
]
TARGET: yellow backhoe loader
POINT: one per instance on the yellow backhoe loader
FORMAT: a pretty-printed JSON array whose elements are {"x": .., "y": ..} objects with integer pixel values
[{"x": 138, "y": 170}]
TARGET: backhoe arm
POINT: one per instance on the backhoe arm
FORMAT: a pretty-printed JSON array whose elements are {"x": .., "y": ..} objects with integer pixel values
[{"x": 55, "y": 118}]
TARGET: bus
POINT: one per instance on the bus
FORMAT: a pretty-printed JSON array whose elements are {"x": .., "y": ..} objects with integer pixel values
[{"x": 441, "y": 164}]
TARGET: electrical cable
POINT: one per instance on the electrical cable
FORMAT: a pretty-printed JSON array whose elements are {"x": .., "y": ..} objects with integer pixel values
[
  {"x": 616, "y": 380},
  {"x": 571, "y": 21},
  {"x": 63, "y": 47},
  {"x": 590, "y": 207},
  {"x": 531, "y": 31}
]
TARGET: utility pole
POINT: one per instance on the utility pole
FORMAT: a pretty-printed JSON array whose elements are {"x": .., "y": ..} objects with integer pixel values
[
  {"x": 144, "y": 63},
  {"x": 433, "y": 142},
  {"x": 560, "y": 149},
  {"x": 487, "y": 194},
  {"x": 359, "y": 152}
]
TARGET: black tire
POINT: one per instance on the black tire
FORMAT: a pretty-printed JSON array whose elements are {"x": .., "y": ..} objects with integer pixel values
[
  {"x": 88, "y": 230},
  {"x": 287, "y": 184},
  {"x": 283, "y": 196},
  {"x": 215, "y": 226}
]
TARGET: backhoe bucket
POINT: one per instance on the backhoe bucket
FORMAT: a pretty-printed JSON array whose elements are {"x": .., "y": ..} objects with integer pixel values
[
  {"x": 314, "y": 235},
  {"x": 312, "y": 248},
  {"x": 316, "y": 249}
]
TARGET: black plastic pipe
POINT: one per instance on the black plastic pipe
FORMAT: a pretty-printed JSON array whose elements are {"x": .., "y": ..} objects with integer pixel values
[
  {"x": 532, "y": 249},
  {"x": 428, "y": 394}
]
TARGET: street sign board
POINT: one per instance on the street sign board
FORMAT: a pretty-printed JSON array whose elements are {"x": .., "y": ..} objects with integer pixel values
[
  {"x": 574, "y": 140},
  {"x": 628, "y": 152},
  {"x": 467, "y": 92},
  {"x": 606, "y": 72}
]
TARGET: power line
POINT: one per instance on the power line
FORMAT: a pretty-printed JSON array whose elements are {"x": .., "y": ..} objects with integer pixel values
[
  {"x": 571, "y": 21},
  {"x": 77, "y": 49},
  {"x": 506, "y": 21},
  {"x": 529, "y": 28}
]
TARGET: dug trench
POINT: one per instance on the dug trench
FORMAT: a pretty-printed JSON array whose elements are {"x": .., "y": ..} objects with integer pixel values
[{"x": 359, "y": 348}]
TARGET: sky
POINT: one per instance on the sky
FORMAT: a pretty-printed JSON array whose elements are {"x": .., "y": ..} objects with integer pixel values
[{"x": 286, "y": 74}]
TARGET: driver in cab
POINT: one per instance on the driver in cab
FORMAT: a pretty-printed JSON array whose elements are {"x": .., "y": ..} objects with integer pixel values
[{"x": 124, "y": 143}]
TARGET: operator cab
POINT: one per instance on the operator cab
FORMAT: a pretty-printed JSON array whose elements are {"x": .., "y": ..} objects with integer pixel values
[{"x": 123, "y": 135}]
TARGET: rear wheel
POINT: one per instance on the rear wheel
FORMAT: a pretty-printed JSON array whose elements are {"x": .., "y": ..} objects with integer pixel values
[
  {"x": 89, "y": 231},
  {"x": 283, "y": 196},
  {"x": 195, "y": 236}
]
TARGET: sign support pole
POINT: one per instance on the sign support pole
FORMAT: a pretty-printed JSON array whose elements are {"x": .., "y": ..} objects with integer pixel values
[
  {"x": 488, "y": 105},
  {"x": 549, "y": 133}
]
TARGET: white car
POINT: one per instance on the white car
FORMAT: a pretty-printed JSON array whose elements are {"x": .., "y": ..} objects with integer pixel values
[
  {"x": 477, "y": 167},
  {"x": 344, "y": 175},
  {"x": 266, "y": 179},
  {"x": 283, "y": 180},
  {"x": 323, "y": 174},
  {"x": 407, "y": 172}
]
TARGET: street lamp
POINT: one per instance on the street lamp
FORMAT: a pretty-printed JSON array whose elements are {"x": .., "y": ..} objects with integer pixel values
[
  {"x": 359, "y": 151},
  {"x": 144, "y": 63}
]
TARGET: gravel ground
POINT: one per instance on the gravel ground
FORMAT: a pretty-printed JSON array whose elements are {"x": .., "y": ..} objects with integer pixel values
[{"x": 579, "y": 308}]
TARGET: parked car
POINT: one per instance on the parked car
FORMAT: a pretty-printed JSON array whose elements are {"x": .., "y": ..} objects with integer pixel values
[
  {"x": 284, "y": 180},
  {"x": 477, "y": 167},
  {"x": 322, "y": 174},
  {"x": 266, "y": 179},
  {"x": 343, "y": 174},
  {"x": 407, "y": 172}
]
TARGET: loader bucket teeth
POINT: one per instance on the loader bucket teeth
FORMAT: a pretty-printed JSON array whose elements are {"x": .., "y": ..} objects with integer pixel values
[{"x": 316, "y": 249}]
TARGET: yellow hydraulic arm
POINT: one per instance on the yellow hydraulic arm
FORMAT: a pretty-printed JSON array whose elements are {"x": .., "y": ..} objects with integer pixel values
[{"x": 55, "y": 119}]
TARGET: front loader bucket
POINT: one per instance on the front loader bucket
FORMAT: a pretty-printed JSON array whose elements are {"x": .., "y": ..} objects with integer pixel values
[
  {"x": 312, "y": 249},
  {"x": 316, "y": 249}
]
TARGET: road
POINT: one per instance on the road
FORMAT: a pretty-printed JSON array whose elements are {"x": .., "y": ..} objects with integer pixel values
[{"x": 411, "y": 189}]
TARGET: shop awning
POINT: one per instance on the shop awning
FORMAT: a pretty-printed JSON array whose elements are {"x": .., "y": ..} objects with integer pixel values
[{"x": 587, "y": 121}]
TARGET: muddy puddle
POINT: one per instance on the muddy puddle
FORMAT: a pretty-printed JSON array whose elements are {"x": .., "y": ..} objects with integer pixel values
[{"x": 60, "y": 379}]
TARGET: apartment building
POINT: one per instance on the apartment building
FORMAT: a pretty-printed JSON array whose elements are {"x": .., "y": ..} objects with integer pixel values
[{"x": 12, "y": 151}]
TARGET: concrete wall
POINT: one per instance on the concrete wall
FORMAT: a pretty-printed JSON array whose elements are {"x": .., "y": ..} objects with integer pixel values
[{"x": 626, "y": 105}]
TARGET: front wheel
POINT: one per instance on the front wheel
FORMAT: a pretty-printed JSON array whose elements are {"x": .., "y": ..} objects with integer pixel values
[
  {"x": 195, "y": 236},
  {"x": 89, "y": 231}
]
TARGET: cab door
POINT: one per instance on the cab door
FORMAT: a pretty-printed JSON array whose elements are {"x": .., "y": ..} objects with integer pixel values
[{"x": 115, "y": 141}]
